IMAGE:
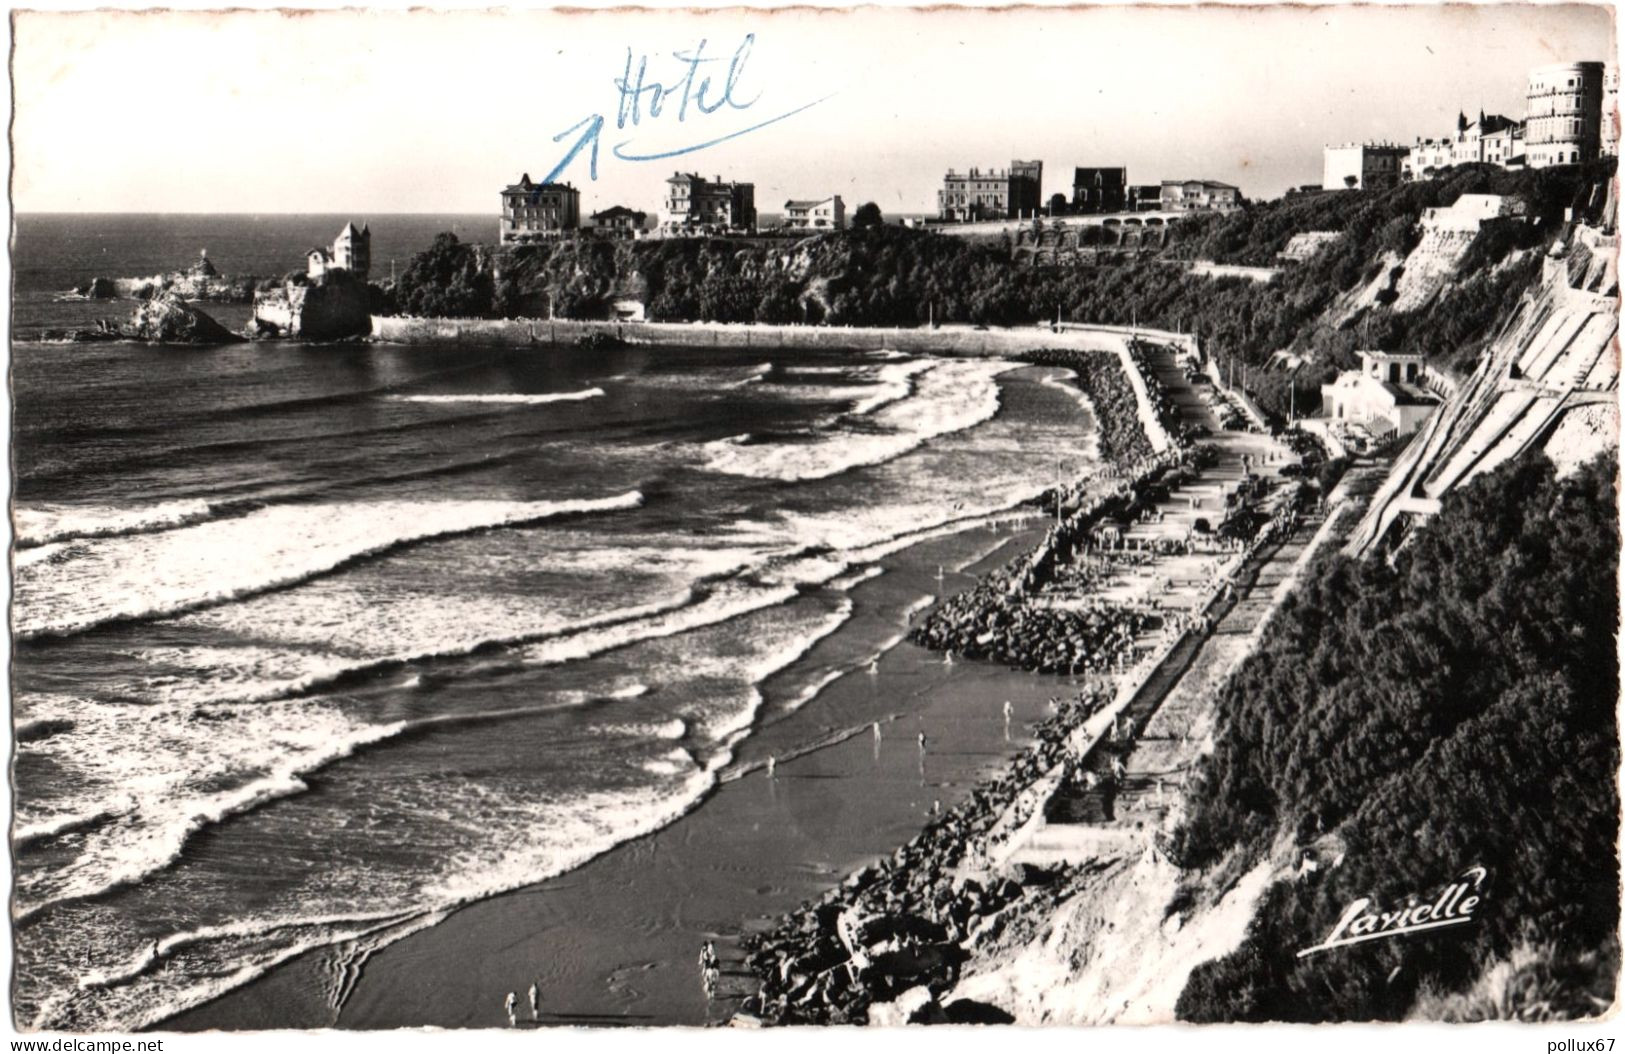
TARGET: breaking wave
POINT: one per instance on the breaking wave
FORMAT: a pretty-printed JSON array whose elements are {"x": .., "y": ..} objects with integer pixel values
[
  {"x": 946, "y": 397},
  {"x": 143, "y": 576},
  {"x": 521, "y": 400}
]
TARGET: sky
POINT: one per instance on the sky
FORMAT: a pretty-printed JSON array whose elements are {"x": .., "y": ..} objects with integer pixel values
[{"x": 380, "y": 112}]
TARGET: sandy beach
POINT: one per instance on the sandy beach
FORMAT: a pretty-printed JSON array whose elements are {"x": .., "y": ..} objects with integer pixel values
[{"x": 615, "y": 942}]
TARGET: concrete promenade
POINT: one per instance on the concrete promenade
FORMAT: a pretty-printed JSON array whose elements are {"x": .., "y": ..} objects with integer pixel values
[{"x": 1139, "y": 753}]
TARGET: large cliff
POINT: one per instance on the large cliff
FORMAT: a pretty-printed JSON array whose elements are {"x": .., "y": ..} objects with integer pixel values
[{"x": 1379, "y": 275}]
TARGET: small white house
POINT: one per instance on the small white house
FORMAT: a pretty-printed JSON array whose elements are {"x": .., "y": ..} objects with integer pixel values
[
  {"x": 1385, "y": 394},
  {"x": 828, "y": 214}
]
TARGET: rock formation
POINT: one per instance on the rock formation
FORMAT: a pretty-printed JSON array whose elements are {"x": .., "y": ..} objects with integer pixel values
[
  {"x": 332, "y": 307},
  {"x": 167, "y": 319},
  {"x": 201, "y": 281}
]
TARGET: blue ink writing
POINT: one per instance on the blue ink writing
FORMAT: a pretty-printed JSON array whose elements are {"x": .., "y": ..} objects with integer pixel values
[
  {"x": 643, "y": 99},
  {"x": 632, "y": 93}
]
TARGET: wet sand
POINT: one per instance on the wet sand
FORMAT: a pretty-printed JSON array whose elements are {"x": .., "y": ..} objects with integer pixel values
[{"x": 615, "y": 942}]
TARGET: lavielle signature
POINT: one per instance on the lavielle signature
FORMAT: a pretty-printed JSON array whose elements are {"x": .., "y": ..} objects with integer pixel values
[{"x": 1454, "y": 906}]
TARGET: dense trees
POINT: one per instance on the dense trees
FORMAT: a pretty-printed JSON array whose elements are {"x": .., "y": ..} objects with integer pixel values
[
  {"x": 446, "y": 280},
  {"x": 875, "y": 275},
  {"x": 1453, "y": 707},
  {"x": 867, "y": 215}
]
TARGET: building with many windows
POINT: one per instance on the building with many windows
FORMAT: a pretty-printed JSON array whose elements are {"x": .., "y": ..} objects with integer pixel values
[
  {"x": 1100, "y": 190},
  {"x": 1610, "y": 110},
  {"x": 992, "y": 194},
  {"x": 696, "y": 204},
  {"x": 618, "y": 221},
  {"x": 1504, "y": 147},
  {"x": 1426, "y": 157},
  {"x": 1563, "y": 125},
  {"x": 1469, "y": 145},
  {"x": 1363, "y": 166},
  {"x": 1199, "y": 194},
  {"x": 826, "y": 214},
  {"x": 1493, "y": 139},
  {"x": 1385, "y": 394},
  {"x": 351, "y": 251},
  {"x": 1026, "y": 188},
  {"x": 1144, "y": 197},
  {"x": 538, "y": 210}
]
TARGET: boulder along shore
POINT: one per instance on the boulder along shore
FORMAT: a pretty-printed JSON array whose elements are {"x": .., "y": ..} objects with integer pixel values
[{"x": 901, "y": 926}]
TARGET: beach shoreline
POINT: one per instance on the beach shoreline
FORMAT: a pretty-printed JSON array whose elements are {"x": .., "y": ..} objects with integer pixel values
[
  {"x": 614, "y": 941},
  {"x": 928, "y": 936}
]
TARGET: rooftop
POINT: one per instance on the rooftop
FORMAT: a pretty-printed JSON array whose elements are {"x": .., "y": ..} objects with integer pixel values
[
  {"x": 525, "y": 186},
  {"x": 1410, "y": 394},
  {"x": 695, "y": 177}
]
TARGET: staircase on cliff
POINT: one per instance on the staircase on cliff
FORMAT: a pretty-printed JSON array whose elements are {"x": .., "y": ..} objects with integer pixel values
[{"x": 1549, "y": 382}]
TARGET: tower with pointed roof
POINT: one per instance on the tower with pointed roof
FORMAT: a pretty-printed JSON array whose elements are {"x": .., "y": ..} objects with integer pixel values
[{"x": 352, "y": 250}]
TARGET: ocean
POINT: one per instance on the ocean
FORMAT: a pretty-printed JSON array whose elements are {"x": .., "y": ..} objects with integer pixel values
[{"x": 314, "y": 644}]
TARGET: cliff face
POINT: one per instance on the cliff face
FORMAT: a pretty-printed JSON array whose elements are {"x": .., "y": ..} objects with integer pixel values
[
  {"x": 333, "y": 308},
  {"x": 1549, "y": 382}
]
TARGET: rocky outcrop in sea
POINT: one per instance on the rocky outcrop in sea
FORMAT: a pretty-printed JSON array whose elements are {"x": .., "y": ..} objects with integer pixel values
[
  {"x": 335, "y": 306},
  {"x": 201, "y": 281},
  {"x": 164, "y": 319},
  {"x": 167, "y": 319}
]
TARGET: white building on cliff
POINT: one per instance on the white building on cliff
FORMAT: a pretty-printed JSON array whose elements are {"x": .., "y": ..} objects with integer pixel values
[
  {"x": 351, "y": 251},
  {"x": 1385, "y": 394}
]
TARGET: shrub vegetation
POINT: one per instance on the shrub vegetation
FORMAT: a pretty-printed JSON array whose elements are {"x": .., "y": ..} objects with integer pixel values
[{"x": 1450, "y": 708}]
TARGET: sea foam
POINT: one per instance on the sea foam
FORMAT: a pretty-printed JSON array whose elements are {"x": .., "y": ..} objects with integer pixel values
[
  {"x": 515, "y": 399},
  {"x": 948, "y": 397},
  {"x": 151, "y": 575}
]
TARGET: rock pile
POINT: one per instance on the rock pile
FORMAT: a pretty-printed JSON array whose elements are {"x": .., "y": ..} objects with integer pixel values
[
  {"x": 987, "y": 622},
  {"x": 904, "y": 922},
  {"x": 1117, "y": 411}
]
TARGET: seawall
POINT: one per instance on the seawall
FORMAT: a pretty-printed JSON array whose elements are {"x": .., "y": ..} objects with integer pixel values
[{"x": 945, "y": 340}]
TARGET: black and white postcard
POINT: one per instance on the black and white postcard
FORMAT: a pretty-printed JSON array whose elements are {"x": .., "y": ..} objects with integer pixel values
[{"x": 547, "y": 519}]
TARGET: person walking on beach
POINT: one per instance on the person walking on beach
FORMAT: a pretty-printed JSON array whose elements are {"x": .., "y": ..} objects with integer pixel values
[
  {"x": 508, "y": 1005},
  {"x": 876, "y": 727},
  {"x": 922, "y": 742},
  {"x": 535, "y": 1000},
  {"x": 772, "y": 763}
]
